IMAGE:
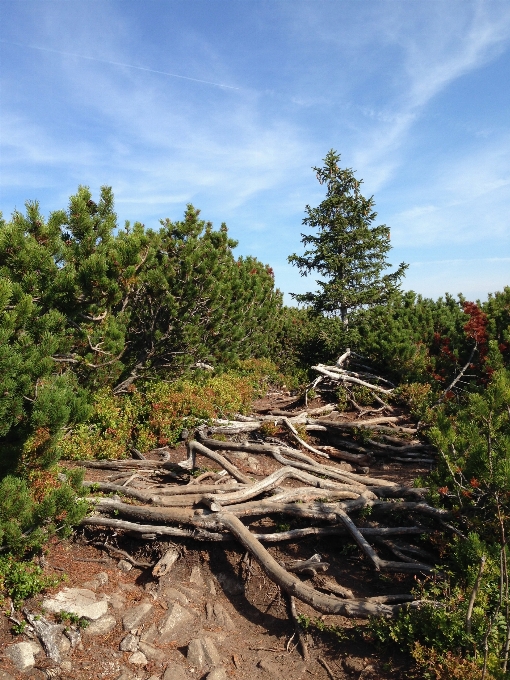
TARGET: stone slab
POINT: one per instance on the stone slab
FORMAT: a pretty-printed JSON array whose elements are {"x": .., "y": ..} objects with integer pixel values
[
  {"x": 134, "y": 616},
  {"x": 175, "y": 618},
  {"x": 202, "y": 652},
  {"x": 79, "y": 601},
  {"x": 101, "y": 626}
]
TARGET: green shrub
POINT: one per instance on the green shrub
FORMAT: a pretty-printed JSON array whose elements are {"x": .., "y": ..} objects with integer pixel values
[
  {"x": 21, "y": 580},
  {"x": 33, "y": 510}
]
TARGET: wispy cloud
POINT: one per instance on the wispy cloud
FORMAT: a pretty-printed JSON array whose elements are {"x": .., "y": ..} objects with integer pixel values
[
  {"x": 117, "y": 63},
  {"x": 457, "y": 39}
]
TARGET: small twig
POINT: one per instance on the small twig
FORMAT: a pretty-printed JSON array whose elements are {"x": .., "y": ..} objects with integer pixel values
[
  {"x": 124, "y": 554},
  {"x": 328, "y": 669},
  {"x": 102, "y": 560},
  {"x": 297, "y": 628},
  {"x": 474, "y": 593}
]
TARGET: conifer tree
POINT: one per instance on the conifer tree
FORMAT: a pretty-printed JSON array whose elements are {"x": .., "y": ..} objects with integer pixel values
[{"x": 347, "y": 251}]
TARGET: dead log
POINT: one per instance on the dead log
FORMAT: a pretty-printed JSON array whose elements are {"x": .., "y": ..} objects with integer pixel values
[
  {"x": 340, "y": 377},
  {"x": 153, "y": 530},
  {"x": 195, "y": 447},
  {"x": 326, "y": 604}
]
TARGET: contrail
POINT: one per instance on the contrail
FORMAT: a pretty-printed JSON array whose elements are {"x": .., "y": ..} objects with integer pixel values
[{"x": 118, "y": 63}]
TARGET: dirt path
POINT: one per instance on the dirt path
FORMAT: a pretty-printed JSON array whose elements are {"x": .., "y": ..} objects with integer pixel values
[{"x": 217, "y": 593}]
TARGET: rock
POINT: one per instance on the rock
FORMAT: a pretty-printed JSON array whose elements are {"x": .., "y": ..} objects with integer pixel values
[
  {"x": 102, "y": 578},
  {"x": 64, "y": 645},
  {"x": 170, "y": 594},
  {"x": 174, "y": 671},
  {"x": 217, "y": 614},
  {"x": 129, "y": 643},
  {"x": 138, "y": 658},
  {"x": 134, "y": 616},
  {"x": 191, "y": 593},
  {"x": 124, "y": 566},
  {"x": 126, "y": 674},
  {"x": 22, "y": 654},
  {"x": 353, "y": 664},
  {"x": 4, "y": 675},
  {"x": 127, "y": 587},
  {"x": 50, "y": 634},
  {"x": 152, "y": 652},
  {"x": 165, "y": 563},
  {"x": 212, "y": 588},
  {"x": 174, "y": 619},
  {"x": 230, "y": 584},
  {"x": 102, "y": 626},
  {"x": 79, "y": 601},
  {"x": 217, "y": 674},
  {"x": 241, "y": 455},
  {"x": 116, "y": 600},
  {"x": 150, "y": 634},
  {"x": 66, "y": 666},
  {"x": 202, "y": 652},
  {"x": 252, "y": 463},
  {"x": 196, "y": 577},
  {"x": 74, "y": 636},
  {"x": 99, "y": 580},
  {"x": 269, "y": 667}
]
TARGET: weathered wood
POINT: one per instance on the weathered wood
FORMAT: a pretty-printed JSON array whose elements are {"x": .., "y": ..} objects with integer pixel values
[
  {"x": 166, "y": 562},
  {"x": 326, "y": 604}
]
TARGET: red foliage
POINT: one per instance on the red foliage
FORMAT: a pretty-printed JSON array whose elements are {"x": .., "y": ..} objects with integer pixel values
[{"x": 476, "y": 328}]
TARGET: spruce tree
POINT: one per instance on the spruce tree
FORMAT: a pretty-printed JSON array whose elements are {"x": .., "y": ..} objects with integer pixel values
[{"x": 347, "y": 251}]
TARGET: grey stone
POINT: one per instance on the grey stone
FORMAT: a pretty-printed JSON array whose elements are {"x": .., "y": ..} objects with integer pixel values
[
  {"x": 22, "y": 654},
  {"x": 176, "y": 617},
  {"x": 102, "y": 626},
  {"x": 74, "y": 636},
  {"x": 124, "y": 566},
  {"x": 127, "y": 587},
  {"x": 64, "y": 645},
  {"x": 174, "y": 671},
  {"x": 252, "y": 462},
  {"x": 126, "y": 674},
  {"x": 99, "y": 580},
  {"x": 79, "y": 601},
  {"x": 241, "y": 455},
  {"x": 216, "y": 614},
  {"x": 269, "y": 667},
  {"x": 170, "y": 594},
  {"x": 102, "y": 578},
  {"x": 202, "y": 652},
  {"x": 152, "y": 652},
  {"x": 191, "y": 593},
  {"x": 116, "y": 600},
  {"x": 150, "y": 634},
  {"x": 129, "y": 643},
  {"x": 196, "y": 577},
  {"x": 353, "y": 664},
  {"x": 230, "y": 584},
  {"x": 138, "y": 658},
  {"x": 217, "y": 674},
  {"x": 134, "y": 616}
]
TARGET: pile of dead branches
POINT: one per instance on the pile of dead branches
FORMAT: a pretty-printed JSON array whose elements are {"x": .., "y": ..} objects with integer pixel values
[{"x": 324, "y": 485}]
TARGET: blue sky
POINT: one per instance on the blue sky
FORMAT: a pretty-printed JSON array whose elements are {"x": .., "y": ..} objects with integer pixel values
[{"x": 227, "y": 104}]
